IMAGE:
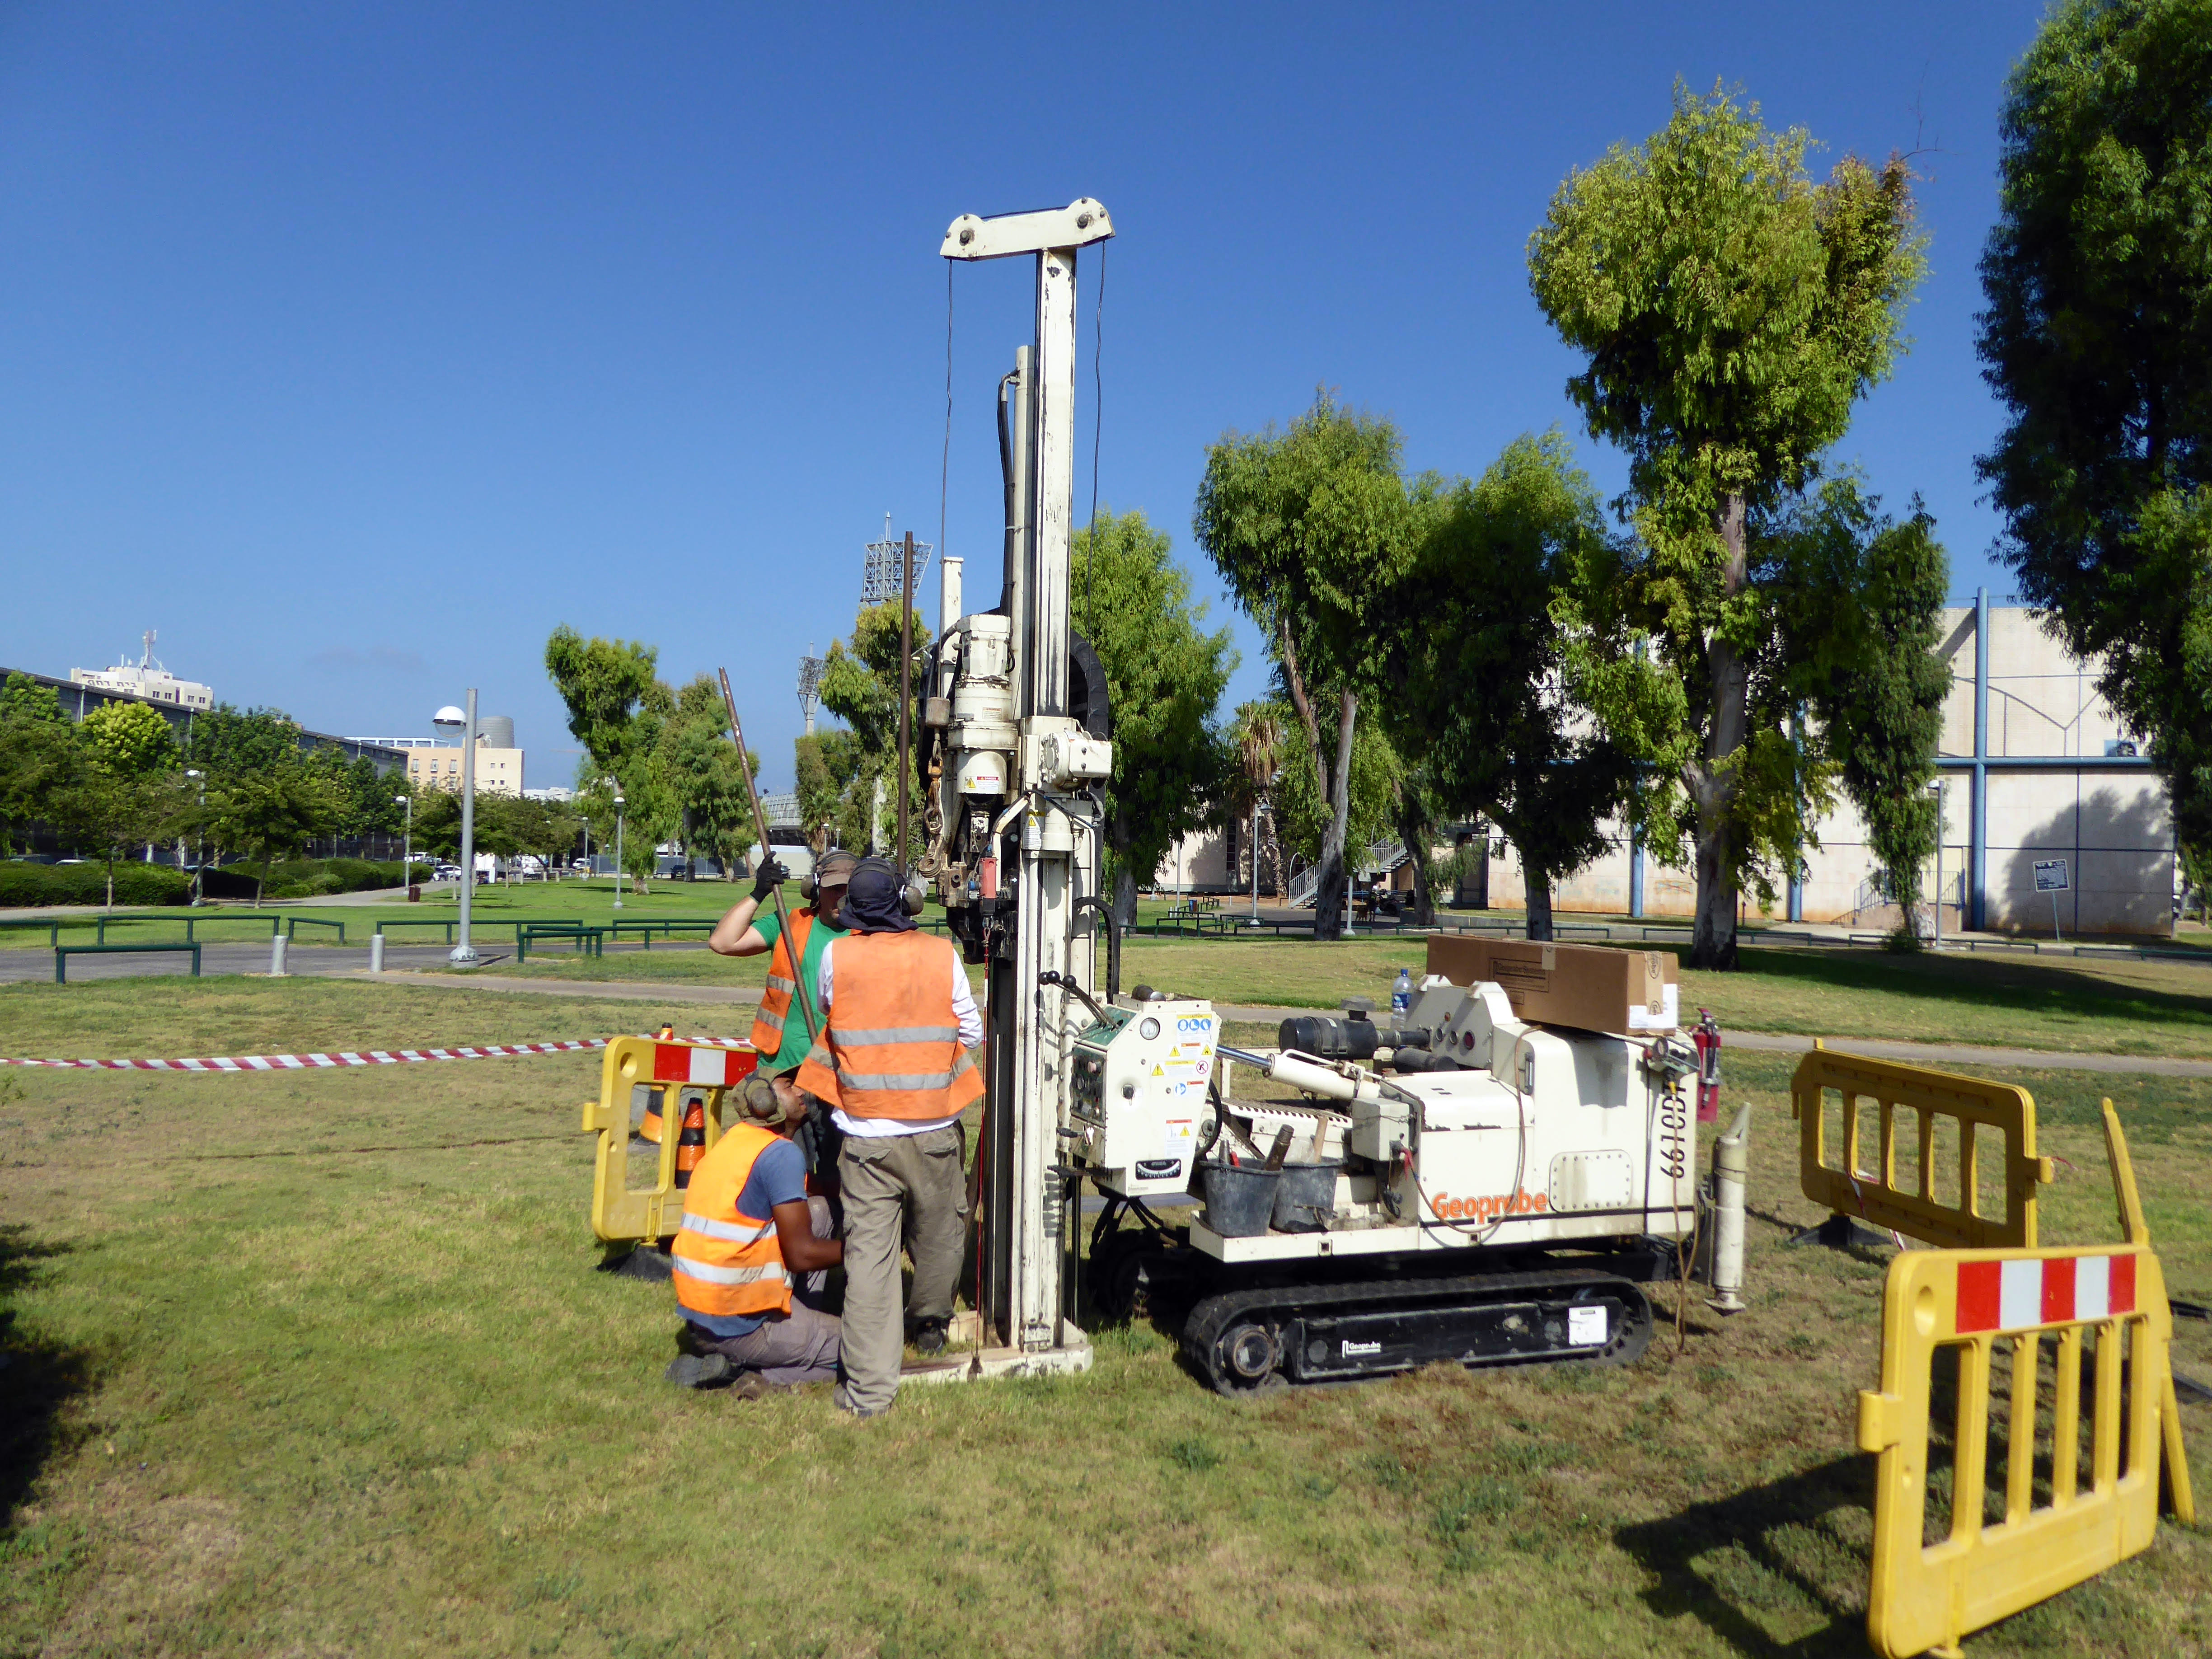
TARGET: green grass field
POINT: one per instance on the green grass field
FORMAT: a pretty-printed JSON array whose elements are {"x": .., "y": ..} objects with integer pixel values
[
  {"x": 317, "y": 1364},
  {"x": 2098, "y": 1005}
]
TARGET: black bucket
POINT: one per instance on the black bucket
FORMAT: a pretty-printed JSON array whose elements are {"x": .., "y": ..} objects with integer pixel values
[
  {"x": 1305, "y": 1197},
  {"x": 1239, "y": 1198}
]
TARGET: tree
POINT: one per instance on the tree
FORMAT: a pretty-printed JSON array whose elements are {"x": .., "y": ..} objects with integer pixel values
[
  {"x": 701, "y": 764},
  {"x": 2098, "y": 339},
  {"x": 1311, "y": 528},
  {"x": 1863, "y": 602},
  {"x": 826, "y": 769},
  {"x": 1255, "y": 735},
  {"x": 130, "y": 739},
  {"x": 1163, "y": 681},
  {"x": 38, "y": 754},
  {"x": 1484, "y": 706},
  {"x": 1732, "y": 312},
  {"x": 618, "y": 711},
  {"x": 1305, "y": 818},
  {"x": 275, "y": 812},
  {"x": 225, "y": 742},
  {"x": 860, "y": 687}
]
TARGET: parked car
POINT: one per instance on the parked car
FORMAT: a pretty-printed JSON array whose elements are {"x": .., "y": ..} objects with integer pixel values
[{"x": 446, "y": 873}]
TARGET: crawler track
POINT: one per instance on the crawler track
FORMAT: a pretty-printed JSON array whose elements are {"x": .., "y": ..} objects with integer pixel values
[{"x": 1243, "y": 1341}]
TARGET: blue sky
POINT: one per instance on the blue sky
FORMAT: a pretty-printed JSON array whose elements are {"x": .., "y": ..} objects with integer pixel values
[{"x": 356, "y": 348}]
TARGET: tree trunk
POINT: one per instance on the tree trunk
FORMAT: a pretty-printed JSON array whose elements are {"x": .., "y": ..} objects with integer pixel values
[
  {"x": 1538, "y": 886},
  {"x": 111, "y": 881},
  {"x": 261, "y": 881},
  {"x": 1329, "y": 894},
  {"x": 1124, "y": 898},
  {"x": 1414, "y": 830},
  {"x": 1712, "y": 782}
]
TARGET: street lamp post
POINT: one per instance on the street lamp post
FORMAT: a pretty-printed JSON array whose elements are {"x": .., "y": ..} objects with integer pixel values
[
  {"x": 588, "y": 847},
  {"x": 406, "y": 839},
  {"x": 464, "y": 952},
  {"x": 618, "y": 848},
  {"x": 199, "y": 865}
]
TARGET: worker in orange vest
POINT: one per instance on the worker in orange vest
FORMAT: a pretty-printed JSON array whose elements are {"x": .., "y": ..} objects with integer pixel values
[
  {"x": 779, "y": 1032},
  {"x": 749, "y": 1231},
  {"x": 893, "y": 1066}
]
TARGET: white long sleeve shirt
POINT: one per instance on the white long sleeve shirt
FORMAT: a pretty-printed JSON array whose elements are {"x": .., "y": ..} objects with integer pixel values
[{"x": 971, "y": 1033}]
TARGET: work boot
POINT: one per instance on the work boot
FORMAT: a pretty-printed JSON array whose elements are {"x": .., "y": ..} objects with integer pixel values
[
  {"x": 699, "y": 1370},
  {"x": 844, "y": 1402},
  {"x": 929, "y": 1338}
]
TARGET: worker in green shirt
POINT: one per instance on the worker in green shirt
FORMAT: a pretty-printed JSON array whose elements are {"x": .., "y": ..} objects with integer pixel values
[{"x": 779, "y": 1032}]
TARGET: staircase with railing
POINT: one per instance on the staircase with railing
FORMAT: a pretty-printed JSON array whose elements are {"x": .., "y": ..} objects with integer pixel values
[{"x": 1383, "y": 857}]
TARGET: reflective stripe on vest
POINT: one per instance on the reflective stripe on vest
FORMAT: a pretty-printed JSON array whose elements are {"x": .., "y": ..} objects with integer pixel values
[
  {"x": 890, "y": 1048},
  {"x": 727, "y": 1262},
  {"x": 775, "y": 1000}
]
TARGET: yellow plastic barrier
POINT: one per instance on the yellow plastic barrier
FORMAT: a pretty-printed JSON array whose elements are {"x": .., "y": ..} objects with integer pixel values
[
  {"x": 678, "y": 1074},
  {"x": 2100, "y": 1314},
  {"x": 1859, "y": 1176}
]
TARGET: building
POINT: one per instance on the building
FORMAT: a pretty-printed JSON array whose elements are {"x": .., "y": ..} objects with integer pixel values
[
  {"x": 2036, "y": 769},
  {"x": 438, "y": 766},
  {"x": 146, "y": 681}
]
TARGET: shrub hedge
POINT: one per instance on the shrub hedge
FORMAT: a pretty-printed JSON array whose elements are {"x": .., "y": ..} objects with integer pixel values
[
  {"x": 25, "y": 884},
  {"x": 28, "y": 885}
]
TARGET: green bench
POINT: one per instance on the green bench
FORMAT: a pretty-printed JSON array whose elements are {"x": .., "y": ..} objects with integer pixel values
[{"x": 63, "y": 952}]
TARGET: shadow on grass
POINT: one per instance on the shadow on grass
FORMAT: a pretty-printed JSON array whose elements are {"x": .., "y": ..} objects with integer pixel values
[
  {"x": 39, "y": 1380},
  {"x": 2036, "y": 988},
  {"x": 1772, "y": 1555}
]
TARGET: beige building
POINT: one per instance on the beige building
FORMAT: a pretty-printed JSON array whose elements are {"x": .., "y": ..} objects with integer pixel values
[
  {"x": 2037, "y": 773},
  {"x": 499, "y": 771}
]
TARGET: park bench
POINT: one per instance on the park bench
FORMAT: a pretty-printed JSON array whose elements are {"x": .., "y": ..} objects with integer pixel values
[{"x": 63, "y": 952}]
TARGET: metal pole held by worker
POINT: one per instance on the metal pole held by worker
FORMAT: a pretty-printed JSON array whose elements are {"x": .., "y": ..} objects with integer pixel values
[
  {"x": 760, "y": 826},
  {"x": 906, "y": 690}
]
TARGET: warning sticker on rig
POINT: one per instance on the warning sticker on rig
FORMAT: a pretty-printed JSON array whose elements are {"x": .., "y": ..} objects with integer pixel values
[{"x": 1585, "y": 1327}]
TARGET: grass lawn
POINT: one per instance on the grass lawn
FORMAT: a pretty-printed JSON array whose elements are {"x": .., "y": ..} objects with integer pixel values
[
  {"x": 317, "y": 1364},
  {"x": 2080, "y": 1004}
]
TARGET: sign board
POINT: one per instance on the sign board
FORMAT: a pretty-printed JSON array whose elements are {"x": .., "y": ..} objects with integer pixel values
[{"x": 2050, "y": 875}]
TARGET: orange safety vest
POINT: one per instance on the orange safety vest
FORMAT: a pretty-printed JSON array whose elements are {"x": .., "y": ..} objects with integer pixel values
[
  {"x": 727, "y": 1262},
  {"x": 891, "y": 1046},
  {"x": 782, "y": 981}
]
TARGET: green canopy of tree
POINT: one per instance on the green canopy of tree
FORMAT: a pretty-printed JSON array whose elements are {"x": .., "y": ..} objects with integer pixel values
[
  {"x": 2098, "y": 340},
  {"x": 1305, "y": 819},
  {"x": 701, "y": 764},
  {"x": 1165, "y": 677},
  {"x": 1483, "y": 704},
  {"x": 619, "y": 711},
  {"x": 275, "y": 812},
  {"x": 226, "y": 743},
  {"x": 1311, "y": 528},
  {"x": 1732, "y": 311},
  {"x": 37, "y": 755},
  {"x": 129, "y": 739},
  {"x": 860, "y": 687},
  {"x": 1862, "y": 599},
  {"x": 827, "y": 771}
]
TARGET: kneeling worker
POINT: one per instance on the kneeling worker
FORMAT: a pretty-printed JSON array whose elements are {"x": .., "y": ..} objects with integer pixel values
[
  {"x": 748, "y": 1227},
  {"x": 898, "y": 1021}
]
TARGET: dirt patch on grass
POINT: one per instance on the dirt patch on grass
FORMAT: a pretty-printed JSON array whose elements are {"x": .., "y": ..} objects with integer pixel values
[{"x": 165, "y": 1560}]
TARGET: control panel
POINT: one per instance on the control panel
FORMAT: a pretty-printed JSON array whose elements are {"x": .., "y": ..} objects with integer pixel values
[{"x": 1139, "y": 1097}]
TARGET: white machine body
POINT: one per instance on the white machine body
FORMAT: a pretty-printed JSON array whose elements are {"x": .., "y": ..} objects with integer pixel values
[
  {"x": 1543, "y": 1137},
  {"x": 1137, "y": 1098}
]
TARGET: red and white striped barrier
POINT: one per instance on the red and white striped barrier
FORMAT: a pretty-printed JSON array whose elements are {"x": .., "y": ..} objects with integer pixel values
[
  {"x": 368, "y": 1057},
  {"x": 2054, "y": 1289}
]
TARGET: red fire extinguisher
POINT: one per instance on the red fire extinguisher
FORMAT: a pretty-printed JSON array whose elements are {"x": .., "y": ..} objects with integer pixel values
[{"x": 1707, "y": 1038}]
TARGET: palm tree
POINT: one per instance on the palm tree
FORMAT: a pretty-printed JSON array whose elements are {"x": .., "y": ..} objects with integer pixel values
[{"x": 1259, "y": 735}]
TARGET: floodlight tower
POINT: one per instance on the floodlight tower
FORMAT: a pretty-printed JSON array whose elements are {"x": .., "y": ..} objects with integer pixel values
[
  {"x": 881, "y": 580},
  {"x": 810, "y": 685}
]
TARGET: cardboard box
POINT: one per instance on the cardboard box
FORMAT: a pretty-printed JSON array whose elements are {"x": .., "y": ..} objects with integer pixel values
[{"x": 1591, "y": 987}]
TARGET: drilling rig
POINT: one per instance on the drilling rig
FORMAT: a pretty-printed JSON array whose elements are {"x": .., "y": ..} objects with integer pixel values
[{"x": 1474, "y": 1186}]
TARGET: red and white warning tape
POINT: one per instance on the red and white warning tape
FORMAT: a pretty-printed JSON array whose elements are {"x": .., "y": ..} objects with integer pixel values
[{"x": 371, "y": 1057}]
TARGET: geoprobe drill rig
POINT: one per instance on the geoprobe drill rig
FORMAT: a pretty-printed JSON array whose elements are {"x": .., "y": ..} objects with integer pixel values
[{"x": 1481, "y": 1189}]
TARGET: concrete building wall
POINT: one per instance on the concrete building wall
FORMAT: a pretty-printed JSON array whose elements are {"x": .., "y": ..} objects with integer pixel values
[{"x": 499, "y": 771}]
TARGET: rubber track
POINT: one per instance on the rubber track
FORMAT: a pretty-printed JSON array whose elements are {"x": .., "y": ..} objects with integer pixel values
[{"x": 1203, "y": 1330}]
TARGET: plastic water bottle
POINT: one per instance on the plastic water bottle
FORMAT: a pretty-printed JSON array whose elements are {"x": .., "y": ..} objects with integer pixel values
[{"x": 1401, "y": 999}]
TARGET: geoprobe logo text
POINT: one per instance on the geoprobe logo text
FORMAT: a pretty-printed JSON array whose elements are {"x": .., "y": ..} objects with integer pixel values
[{"x": 1489, "y": 1209}]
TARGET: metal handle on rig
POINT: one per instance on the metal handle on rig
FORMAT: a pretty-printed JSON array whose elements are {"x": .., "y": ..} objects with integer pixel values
[{"x": 760, "y": 825}]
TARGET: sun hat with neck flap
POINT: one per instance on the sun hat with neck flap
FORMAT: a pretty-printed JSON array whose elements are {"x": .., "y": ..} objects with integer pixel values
[{"x": 875, "y": 900}]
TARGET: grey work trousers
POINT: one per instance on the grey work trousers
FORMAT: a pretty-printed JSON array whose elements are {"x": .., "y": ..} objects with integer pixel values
[
  {"x": 794, "y": 1348},
  {"x": 909, "y": 1189}
]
